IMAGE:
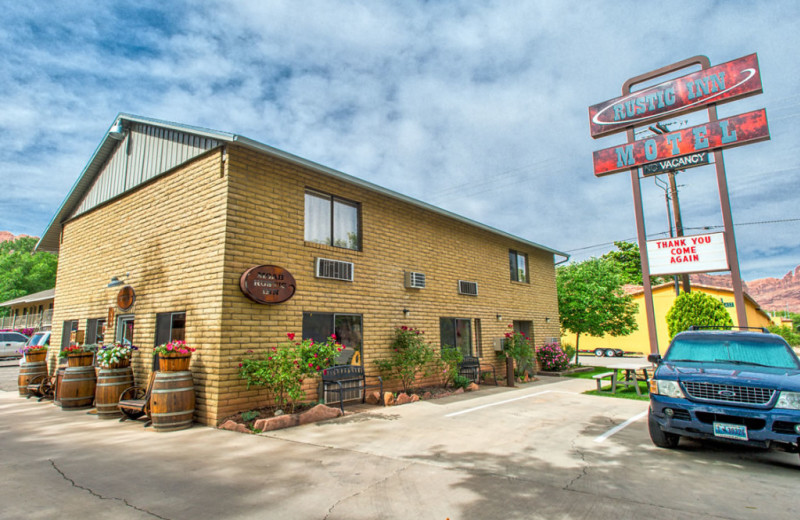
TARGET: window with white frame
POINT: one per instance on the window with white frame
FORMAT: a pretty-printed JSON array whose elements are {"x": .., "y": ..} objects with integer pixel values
[
  {"x": 518, "y": 264},
  {"x": 332, "y": 221}
]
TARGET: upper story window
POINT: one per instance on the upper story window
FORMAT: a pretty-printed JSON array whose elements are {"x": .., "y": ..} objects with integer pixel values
[
  {"x": 518, "y": 263},
  {"x": 332, "y": 221}
]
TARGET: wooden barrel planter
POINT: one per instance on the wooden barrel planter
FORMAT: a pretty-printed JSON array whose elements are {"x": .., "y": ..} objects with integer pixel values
[
  {"x": 80, "y": 360},
  {"x": 111, "y": 382},
  {"x": 28, "y": 371},
  {"x": 35, "y": 357},
  {"x": 174, "y": 363},
  {"x": 59, "y": 379},
  {"x": 172, "y": 401},
  {"x": 77, "y": 388}
]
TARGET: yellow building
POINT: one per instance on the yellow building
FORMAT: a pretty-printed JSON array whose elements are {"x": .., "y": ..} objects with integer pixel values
[
  {"x": 663, "y": 298},
  {"x": 160, "y": 231}
]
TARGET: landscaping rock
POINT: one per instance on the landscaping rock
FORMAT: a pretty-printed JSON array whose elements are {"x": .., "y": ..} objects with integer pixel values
[
  {"x": 402, "y": 398},
  {"x": 234, "y": 427},
  {"x": 388, "y": 399},
  {"x": 414, "y": 398},
  {"x": 458, "y": 391},
  {"x": 276, "y": 423},
  {"x": 427, "y": 395},
  {"x": 374, "y": 398},
  {"x": 473, "y": 387},
  {"x": 319, "y": 413}
]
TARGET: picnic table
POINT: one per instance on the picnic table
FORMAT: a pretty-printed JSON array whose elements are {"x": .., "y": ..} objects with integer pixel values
[{"x": 630, "y": 378}]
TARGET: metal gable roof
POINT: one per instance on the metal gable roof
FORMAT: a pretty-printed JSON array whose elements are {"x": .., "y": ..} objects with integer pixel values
[{"x": 76, "y": 200}]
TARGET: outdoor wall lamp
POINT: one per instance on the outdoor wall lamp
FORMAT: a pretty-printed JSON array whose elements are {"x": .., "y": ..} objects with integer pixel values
[
  {"x": 117, "y": 131},
  {"x": 406, "y": 312},
  {"x": 499, "y": 317},
  {"x": 547, "y": 320},
  {"x": 115, "y": 281}
]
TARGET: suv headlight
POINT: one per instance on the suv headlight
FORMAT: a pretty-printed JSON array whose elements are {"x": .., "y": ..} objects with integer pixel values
[
  {"x": 666, "y": 388},
  {"x": 789, "y": 401}
]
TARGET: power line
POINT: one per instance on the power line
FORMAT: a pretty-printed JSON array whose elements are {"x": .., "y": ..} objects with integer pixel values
[{"x": 665, "y": 233}]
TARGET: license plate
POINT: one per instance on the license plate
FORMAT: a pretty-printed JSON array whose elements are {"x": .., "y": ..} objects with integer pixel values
[{"x": 730, "y": 431}]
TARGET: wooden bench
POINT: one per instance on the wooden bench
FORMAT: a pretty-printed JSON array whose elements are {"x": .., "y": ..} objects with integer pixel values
[
  {"x": 346, "y": 378},
  {"x": 471, "y": 368},
  {"x": 134, "y": 401},
  {"x": 599, "y": 378}
]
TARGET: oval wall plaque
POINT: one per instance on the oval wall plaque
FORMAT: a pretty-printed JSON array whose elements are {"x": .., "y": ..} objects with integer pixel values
[
  {"x": 267, "y": 284},
  {"x": 126, "y": 297}
]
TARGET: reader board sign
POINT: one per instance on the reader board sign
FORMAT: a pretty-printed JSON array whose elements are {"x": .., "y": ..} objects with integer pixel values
[
  {"x": 732, "y": 131},
  {"x": 678, "y": 163},
  {"x": 725, "y": 82},
  {"x": 691, "y": 254}
]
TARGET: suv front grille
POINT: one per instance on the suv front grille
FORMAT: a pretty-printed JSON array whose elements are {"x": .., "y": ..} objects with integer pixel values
[{"x": 728, "y": 393}]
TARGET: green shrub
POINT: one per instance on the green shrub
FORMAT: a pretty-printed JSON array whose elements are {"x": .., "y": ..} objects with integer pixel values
[
  {"x": 697, "y": 308},
  {"x": 446, "y": 365},
  {"x": 410, "y": 356},
  {"x": 552, "y": 358},
  {"x": 282, "y": 370},
  {"x": 791, "y": 337},
  {"x": 518, "y": 347},
  {"x": 460, "y": 381}
]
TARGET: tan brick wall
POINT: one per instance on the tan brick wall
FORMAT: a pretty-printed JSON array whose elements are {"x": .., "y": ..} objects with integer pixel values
[
  {"x": 169, "y": 235},
  {"x": 266, "y": 226},
  {"x": 187, "y": 237}
]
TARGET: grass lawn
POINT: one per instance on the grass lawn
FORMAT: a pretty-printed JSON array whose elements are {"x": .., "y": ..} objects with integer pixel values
[{"x": 623, "y": 392}]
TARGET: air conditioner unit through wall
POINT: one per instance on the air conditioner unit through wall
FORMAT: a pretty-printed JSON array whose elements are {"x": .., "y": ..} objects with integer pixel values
[{"x": 414, "y": 280}]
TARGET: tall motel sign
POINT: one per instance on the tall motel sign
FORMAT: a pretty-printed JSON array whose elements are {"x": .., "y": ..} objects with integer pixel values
[{"x": 703, "y": 89}]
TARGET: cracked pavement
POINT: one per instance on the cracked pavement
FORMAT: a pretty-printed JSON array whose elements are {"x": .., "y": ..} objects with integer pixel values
[{"x": 530, "y": 452}]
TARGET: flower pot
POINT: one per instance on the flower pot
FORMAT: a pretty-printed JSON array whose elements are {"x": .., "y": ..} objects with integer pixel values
[
  {"x": 35, "y": 357},
  {"x": 174, "y": 363},
  {"x": 80, "y": 360},
  {"x": 122, "y": 363},
  {"x": 27, "y": 372}
]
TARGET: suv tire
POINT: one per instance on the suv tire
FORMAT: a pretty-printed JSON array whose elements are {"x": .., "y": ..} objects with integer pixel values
[{"x": 659, "y": 437}]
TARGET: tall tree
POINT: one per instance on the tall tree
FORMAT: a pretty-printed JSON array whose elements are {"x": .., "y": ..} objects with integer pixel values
[
  {"x": 629, "y": 261},
  {"x": 591, "y": 301},
  {"x": 22, "y": 272}
]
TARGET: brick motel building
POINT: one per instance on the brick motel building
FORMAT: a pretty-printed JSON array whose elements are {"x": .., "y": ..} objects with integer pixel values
[{"x": 163, "y": 222}]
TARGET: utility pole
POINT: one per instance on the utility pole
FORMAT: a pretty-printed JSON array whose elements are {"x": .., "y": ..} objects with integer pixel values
[{"x": 658, "y": 128}]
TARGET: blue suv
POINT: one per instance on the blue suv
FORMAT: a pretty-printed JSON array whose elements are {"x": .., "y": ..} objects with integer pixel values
[{"x": 733, "y": 386}]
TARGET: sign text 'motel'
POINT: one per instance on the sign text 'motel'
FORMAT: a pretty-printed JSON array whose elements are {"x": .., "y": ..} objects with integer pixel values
[
  {"x": 726, "y": 82},
  {"x": 725, "y": 133}
]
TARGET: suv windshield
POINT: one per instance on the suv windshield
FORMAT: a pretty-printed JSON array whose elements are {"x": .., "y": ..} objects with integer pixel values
[{"x": 766, "y": 351}]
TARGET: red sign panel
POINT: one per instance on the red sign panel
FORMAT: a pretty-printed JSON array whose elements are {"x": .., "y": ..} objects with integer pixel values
[
  {"x": 267, "y": 284},
  {"x": 725, "y": 133},
  {"x": 726, "y": 82}
]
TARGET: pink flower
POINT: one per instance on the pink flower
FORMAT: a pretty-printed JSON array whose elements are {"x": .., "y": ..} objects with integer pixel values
[
  {"x": 274, "y": 349},
  {"x": 310, "y": 365},
  {"x": 316, "y": 355},
  {"x": 290, "y": 335},
  {"x": 240, "y": 365},
  {"x": 169, "y": 347},
  {"x": 333, "y": 336}
]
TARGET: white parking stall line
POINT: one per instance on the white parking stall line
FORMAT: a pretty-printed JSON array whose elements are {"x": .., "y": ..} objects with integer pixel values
[
  {"x": 619, "y": 427},
  {"x": 469, "y": 410}
]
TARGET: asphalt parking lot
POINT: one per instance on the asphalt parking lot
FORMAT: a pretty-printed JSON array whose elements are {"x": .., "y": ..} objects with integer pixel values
[{"x": 543, "y": 450}]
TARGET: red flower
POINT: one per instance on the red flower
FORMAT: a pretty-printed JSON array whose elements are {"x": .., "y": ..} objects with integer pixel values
[
  {"x": 310, "y": 365},
  {"x": 290, "y": 335},
  {"x": 240, "y": 365},
  {"x": 333, "y": 336}
]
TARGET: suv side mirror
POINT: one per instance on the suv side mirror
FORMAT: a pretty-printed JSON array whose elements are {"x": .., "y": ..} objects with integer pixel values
[{"x": 654, "y": 358}]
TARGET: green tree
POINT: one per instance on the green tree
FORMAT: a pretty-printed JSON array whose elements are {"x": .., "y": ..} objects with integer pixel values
[
  {"x": 22, "y": 272},
  {"x": 629, "y": 261},
  {"x": 591, "y": 301},
  {"x": 787, "y": 333},
  {"x": 696, "y": 308}
]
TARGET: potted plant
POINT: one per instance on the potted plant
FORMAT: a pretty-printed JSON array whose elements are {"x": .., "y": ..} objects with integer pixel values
[
  {"x": 34, "y": 353},
  {"x": 79, "y": 355},
  {"x": 174, "y": 356},
  {"x": 115, "y": 356}
]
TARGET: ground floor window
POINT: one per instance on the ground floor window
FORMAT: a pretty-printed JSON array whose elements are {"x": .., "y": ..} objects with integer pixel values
[
  {"x": 124, "y": 332},
  {"x": 69, "y": 327},
  {"x": 170, "y": 326},
  {"x": 348, "y": 329},
  {"x": 95, "y": 330},
  {"x": 456, "y": 332}
]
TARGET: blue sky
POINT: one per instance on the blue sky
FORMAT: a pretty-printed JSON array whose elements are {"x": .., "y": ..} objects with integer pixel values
[{"x": 477, "y": 107}]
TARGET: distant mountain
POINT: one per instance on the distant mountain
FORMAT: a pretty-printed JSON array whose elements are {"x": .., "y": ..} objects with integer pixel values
[
  {"x": 772, "y": 294},
  {"x": 8, "y": 235}
]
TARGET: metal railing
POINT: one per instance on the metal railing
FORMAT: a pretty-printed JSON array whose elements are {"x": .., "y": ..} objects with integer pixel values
[{"x": 38, "y": 321}]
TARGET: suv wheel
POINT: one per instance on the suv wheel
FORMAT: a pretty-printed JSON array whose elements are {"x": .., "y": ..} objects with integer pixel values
[{"x": 659, "y": 437}]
